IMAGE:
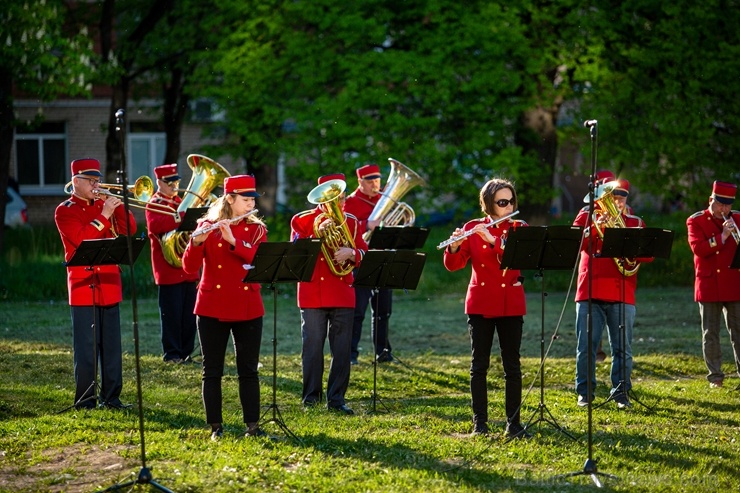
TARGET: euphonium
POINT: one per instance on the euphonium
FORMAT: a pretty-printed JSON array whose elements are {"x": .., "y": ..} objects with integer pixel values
[
  {"x": 388, "y": 209},
  {"x": 337, "y": 235},
  {"x": 610, "y": 217},
  {"x": 207, "y": 175}
]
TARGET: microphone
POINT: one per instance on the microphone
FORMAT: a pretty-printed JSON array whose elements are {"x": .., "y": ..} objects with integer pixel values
[{"x": 587, "y": 123}]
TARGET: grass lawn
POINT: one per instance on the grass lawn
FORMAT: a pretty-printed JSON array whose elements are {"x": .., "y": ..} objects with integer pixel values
[{"x": 413, "y": 436}]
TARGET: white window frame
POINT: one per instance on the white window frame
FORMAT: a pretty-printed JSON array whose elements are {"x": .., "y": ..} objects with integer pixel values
[{"x": 41, "y": 188}]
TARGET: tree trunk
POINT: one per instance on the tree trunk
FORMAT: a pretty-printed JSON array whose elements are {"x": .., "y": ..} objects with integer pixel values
[
  {"x": 539, "y": 137},
  {"x": 174, "y": 111}
]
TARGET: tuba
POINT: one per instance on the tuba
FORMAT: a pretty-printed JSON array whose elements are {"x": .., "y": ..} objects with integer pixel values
[
  {"x": 207, "y": 175},
  {"x": 338, "y": 234},
  {"x": 388, "y": 209},
  {"x": 612, "y": 218}
]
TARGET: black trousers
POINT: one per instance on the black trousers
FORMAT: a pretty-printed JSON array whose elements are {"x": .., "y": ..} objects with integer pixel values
[
  {"x": 247, "y": 338},
  {"x": 176, "y": 303},
  {"x": 97, "y": 335},
  {"x": 481, "y": 332}
]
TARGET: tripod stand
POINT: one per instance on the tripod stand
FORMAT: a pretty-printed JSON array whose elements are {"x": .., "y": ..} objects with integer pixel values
[
  {"x": 145, "y": 475},
  {"x": 277, "y": 262},
  {"x": 542, "y": 248},
  {"x": 393, "y": 269},
  {"x": 91, "y": 254},
  {"x": 627, "y": 243}
]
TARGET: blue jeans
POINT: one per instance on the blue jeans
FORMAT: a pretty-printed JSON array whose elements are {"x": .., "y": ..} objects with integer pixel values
[{"x": 609, "y": 313}]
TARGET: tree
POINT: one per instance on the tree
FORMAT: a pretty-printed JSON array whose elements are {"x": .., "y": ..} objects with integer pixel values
[{"x": 43, "y": 55}]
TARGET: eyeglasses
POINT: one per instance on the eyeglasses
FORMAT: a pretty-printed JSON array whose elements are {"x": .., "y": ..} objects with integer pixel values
[
  {"x": 92, "y": 181},
  {"x": 505, "y": 202},
  {"x": 174, "y": 183}
]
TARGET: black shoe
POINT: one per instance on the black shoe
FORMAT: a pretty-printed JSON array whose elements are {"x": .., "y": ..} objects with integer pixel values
[
  {"x": 254, "y": 431},
  {"x": 480, "y": 428},
  {"x": 217, "y": 434},
  {"x": 384, "y": 357},
  {"x": 622, "y": 401},
  {"x": 353, "y": 361},
  {"x": 583, "y": 401},
  {"x": 173, "y": 360},
  {"x": 516, "y": 430},
  {"x": 343, "y": 408},
  {"x": 115, "y": 405}
]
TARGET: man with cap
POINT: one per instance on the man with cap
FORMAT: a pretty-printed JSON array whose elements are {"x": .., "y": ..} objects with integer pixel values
[
  {"x": 612, "y": 299},
  {"x": 327, "y": 304},
  {"x": 176, "y": 289},
  {"x": 360, "y": 204},
  {"x": 713, "y": 238},
  {"x": 94, "y": 291},
  {"x": 222, "y": 247}
]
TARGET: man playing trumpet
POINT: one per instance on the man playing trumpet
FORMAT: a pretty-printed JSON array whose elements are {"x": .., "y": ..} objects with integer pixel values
[
  {"x": 94, "y": 292},
  {"x": 713, "y": 238}
]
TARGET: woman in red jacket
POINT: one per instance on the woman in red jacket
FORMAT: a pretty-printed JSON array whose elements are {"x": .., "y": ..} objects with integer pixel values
[
  {"x": 494, "y": 303},
  {"x": 224, "y": 245}
]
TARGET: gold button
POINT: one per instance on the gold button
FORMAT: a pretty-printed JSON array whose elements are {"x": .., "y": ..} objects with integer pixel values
[
  {"x": 322, "y": 278},
  {"x": 717, "y": 270},
  {"x": 503, "y": 285},
  {"x": 219, "y": 266},
  {"x": 246, "y": 288},
  {"x": 483, "y": 266},
  {"x": 218, "y": 286},
  {"x": 220, "y": 245},
  {"x": 485, "y": 246},
  {"x": 483, "y": 284}
]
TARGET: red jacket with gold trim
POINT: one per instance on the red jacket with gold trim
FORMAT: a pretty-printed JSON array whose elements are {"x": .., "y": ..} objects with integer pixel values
[
  {"x": 607, "y": 283},
  {"x": 326, "y": 290},
  {"x": 361, "y": 206},
  {"x": 714, "y": 281},
  {"x": 77, "y": 220},
  {"x": 492, "y": 292},
  {"x": 221, "y": 292},
  {"x": 158, "y": 224}
]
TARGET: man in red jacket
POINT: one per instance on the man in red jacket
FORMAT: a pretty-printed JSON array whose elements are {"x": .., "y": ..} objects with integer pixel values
[
  {"x": 95, "y": 291},
  {"x": 360, "y": 204},
  {"x": 176, "y": 288},
  {"x": 612, "y": 296},
  {"x": 713, "y": 238},
  {"x": 327, "y": 305}
]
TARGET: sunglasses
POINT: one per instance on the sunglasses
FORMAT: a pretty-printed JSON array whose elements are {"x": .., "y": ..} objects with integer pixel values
[{"x": 505, "y": 202}]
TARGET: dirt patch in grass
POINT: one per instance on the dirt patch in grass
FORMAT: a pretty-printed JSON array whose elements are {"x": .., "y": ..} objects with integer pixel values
[{"x": 75, "y": 469}]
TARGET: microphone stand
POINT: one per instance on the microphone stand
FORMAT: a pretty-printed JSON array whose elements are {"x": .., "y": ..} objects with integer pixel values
[
  {"x": 589, "y": 467},
  {"x": 145, "y": 476}
]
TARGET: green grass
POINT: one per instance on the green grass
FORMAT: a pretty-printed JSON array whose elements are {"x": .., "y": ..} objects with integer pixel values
[{"x": 413, "y": 437}]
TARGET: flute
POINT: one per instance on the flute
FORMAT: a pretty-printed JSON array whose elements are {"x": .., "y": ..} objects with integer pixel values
[
  {"x": 472, "y": 231},
  {"x": 213, "y": 226}
]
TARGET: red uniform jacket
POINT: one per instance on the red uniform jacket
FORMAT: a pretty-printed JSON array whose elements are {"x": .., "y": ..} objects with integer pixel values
[
  {"x": 714, "y": 281},
  {"x": 492, "y": 292},
  {"x": 361, "y": 206},
  {"x": 78, "y": 219},
  {"x": 608, "y": 284},
  {"x": 158, "y": 224},
  {"x": 221, "y": 292},
  {"x": 326, "y": 290}
]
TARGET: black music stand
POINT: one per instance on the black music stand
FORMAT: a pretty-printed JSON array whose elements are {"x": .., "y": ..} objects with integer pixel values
[
  {"x": 394, "y": 238},
  {"x": 282, "y": 262},
  {"x": 89, "y": 254},
  {"x": 189, "y": 221},
  {"x": 626, "y": 243},
  {"x": 542, "y": 248},
  {"x": 392, "y": 269},
  {"x": 736, "y": 259}
]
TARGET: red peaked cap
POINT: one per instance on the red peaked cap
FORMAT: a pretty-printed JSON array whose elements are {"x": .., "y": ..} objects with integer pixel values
[
  {"x": 335, "y": 176},
  {"x": 167, "y": 172},
  {"x": 243, "y": 185},
  {"x": 368, "y": 172},
  {"x": 623, "y": 188},
  {"x": 723, "y": 192},
  {"x": 87, "y": 167},
  {"x": 603, "y": 176}
]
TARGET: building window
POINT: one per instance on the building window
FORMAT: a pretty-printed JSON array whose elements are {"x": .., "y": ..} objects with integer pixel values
[
  {"x": 41, "y": 157},
  {"x": 147, "y": 145}
]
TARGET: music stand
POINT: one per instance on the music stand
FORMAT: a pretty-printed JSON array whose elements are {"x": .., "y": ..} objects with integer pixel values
[
  {"x": 394, "y": 238},
  {"x": 391, "y": 269},
  {"x": 89, "y": 254},
  {"x": 189, "y": 221},
  {"x": 282, "y": 262},
  {"x": 625, "y": 243},
  {"x": 542, "y": 248}
]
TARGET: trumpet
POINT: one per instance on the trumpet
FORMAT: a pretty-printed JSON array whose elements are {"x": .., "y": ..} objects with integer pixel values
[
  {"x": 471, "y": 232},
  {"x": 735, "y": 232},
  {"x": 141, "y": 192},
  {"x": 213, "y": 226}
]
